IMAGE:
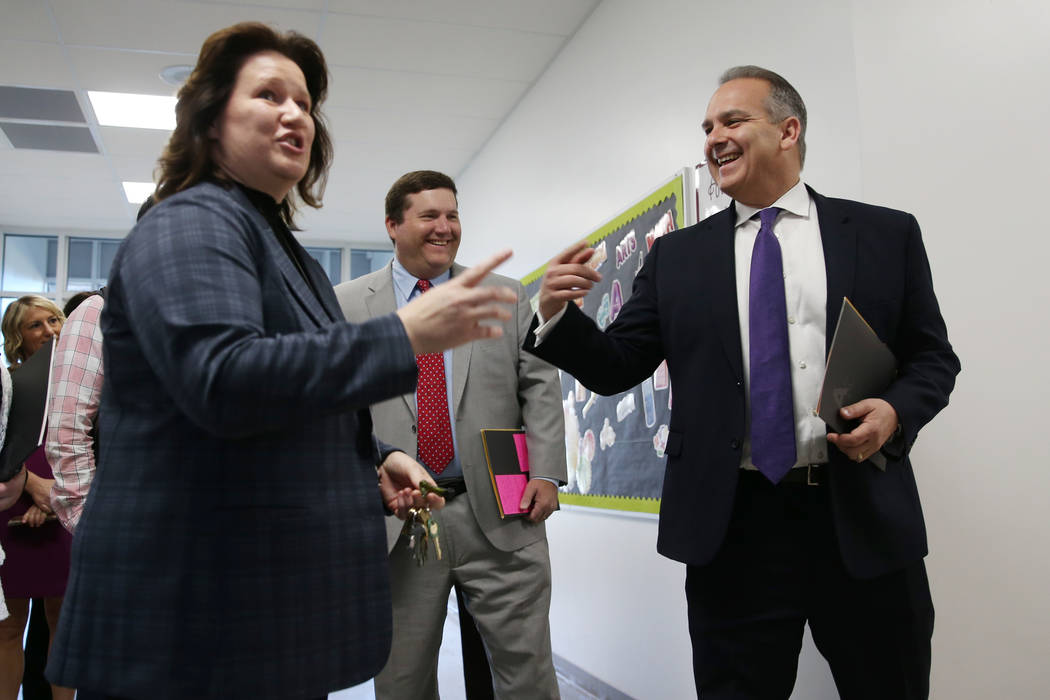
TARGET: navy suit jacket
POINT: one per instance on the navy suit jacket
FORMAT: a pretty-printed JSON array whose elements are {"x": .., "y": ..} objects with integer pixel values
[
  {"x": 683, "y": 308},
  {"x": 232, "y": 545}
]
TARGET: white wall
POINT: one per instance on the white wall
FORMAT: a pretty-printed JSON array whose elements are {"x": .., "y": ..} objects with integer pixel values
[{"x": 935, "y": 107}]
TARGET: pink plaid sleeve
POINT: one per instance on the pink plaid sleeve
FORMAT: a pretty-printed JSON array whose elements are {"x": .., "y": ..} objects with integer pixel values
[{"x": 75, "y": 391}]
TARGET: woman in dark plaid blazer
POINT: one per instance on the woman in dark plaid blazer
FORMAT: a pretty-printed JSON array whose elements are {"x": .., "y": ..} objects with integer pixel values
[{"x": 232, "y": 545}]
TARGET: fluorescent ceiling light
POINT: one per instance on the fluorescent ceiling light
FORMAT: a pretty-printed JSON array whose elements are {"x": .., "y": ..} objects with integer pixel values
[
  {"x": 139, "y": 111},
  {"x": 136, "y": 192}
]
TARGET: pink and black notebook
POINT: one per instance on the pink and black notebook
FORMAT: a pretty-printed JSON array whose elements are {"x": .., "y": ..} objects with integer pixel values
[{"x": 507, "y": 457}]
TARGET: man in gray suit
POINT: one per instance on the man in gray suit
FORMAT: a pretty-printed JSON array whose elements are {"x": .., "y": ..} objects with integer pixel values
[{"x": 500, "y": 564}]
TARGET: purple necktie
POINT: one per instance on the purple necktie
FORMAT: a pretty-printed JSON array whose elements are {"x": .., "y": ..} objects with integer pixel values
[{"x": 772, "y": 413}]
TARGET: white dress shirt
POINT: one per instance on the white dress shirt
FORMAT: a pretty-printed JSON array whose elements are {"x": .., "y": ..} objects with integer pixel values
[{"x": 806, "y": 292}]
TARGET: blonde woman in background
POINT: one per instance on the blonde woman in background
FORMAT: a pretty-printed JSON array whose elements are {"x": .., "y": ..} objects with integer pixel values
[{"x": 37, "y": 551}]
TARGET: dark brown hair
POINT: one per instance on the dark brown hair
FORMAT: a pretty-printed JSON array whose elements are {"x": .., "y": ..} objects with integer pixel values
[
  {"x": 187, "y": 159},
  {"x": 412, "y": 183},
  {"x": 76, "y": 300}
]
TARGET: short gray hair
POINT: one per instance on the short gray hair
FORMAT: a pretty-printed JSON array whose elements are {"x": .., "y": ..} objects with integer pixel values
[{"x": 783, "y": 101}]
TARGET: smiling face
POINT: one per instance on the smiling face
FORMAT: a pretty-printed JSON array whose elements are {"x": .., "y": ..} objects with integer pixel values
[
  {"x": 39, "y": 326},
  {"x": 753, "y": 159},
  {"x": 264, "y": 135},
  {"x": 427, "y": 238}
]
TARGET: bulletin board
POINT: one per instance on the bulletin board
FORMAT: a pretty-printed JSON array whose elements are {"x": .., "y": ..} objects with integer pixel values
[{"x": 614, "y": 445}]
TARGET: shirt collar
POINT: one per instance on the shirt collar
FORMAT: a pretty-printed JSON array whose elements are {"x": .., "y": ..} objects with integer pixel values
[
  {"x": 405, "y": 281},
  {"x": 795, "y": 201}
]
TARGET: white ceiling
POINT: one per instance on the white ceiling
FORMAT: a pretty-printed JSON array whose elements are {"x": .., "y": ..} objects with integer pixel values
[{"x": 415, "y": 84}]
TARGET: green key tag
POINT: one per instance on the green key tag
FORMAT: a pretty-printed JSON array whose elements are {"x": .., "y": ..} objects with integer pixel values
[{"x": 426, "y": 487}]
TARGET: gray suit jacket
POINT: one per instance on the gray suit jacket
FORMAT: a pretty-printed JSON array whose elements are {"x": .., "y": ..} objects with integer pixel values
[
  {"x": 495, "y": 385},
  {"x": 232, "y": 542}
]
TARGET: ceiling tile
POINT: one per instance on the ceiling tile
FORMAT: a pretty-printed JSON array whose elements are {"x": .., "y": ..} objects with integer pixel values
[
  {"x": 49, "y": 163},
  {"x": 27, "y": 20},
  {"x": 76, "y": 202},
  {"x": 413, "y": 129},
  {"x": 113, "y": 70},
  {"x": 398, "y": 158},
  {"x": 449, "y": 49},
  {"x": 154, "y": 25},
  {"x": 124, "y": 141},
  {"x": 34, "y": 64},
  {"x": 547, "y": 16},
  {"x": 317, "y": 5},
  {"x": 48, "y": 137},
  {"x": 39, "y": 104},
  {"x": 386, "y": 90},
  {"x": 134, "y": 169}
]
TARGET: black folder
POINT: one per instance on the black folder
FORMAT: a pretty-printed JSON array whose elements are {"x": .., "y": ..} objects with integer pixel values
[
  {"x": 859, "y": 366},
  {"x": 29, "y": 400}
]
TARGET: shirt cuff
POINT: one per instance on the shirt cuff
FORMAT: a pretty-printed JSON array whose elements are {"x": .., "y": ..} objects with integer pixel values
[{"x": 544, "y": 328}]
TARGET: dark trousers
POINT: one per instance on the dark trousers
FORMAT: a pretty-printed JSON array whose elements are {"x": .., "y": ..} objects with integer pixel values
[
  {"x": 34, "y": 685},
  {"x": 477, "y": 678},
  {"x": 779, "y": 568}
]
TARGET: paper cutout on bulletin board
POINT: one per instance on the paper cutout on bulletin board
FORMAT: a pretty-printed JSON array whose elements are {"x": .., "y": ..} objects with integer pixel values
[
  {"x": 614, "y": 445},
  {"x": 710, "y": 199}
]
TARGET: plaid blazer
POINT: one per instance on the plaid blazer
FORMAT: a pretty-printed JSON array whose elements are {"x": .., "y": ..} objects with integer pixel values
[{"x": 232, "y": 545}]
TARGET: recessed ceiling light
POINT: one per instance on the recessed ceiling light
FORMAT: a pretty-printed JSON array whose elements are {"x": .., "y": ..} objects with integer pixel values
[
  {"x": 176, "y": 75},
  {"x": 139, "y": 111},
  {"x": 136, "y": 192}
]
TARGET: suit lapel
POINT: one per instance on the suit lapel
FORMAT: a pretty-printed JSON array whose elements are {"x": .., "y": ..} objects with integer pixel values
[
  {"x": 721, "y": 229},
  {"x": 838, "y": 235},
  {"x": 300, "y": 290},
  {"x": 380, "y": 300},
  {"x": 460, "y": 363}
]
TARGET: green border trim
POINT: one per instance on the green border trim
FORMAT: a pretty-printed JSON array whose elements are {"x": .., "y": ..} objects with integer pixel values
[
  {"x": 627, "y": 503},
  {"x": 672, "y": 186}
]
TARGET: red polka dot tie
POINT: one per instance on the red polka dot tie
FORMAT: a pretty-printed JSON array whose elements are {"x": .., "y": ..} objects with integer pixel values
[{"x": 434, "y": 439}]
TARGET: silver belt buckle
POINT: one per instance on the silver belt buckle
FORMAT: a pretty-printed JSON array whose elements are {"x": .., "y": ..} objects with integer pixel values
[{"x": 809, "y": 475}]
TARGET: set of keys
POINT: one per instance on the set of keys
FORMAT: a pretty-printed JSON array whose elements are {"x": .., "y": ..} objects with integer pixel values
[{"x": 421, "y": 528}]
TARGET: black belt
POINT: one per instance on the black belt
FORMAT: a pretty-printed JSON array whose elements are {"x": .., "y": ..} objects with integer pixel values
[
  {"x": 807, "y": 475},
  {"x": 455, "y": 486}
]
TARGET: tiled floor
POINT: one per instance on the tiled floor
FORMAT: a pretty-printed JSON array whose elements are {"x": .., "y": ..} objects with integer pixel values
[
  {"x": 450, "y": 670},
  {"x": 450, "y": 666}
]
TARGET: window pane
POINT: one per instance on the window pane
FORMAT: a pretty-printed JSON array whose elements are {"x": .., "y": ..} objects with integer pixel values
[
  {"x": 52, "y": 258},
  {"x": 29, "y": 263},
  {"x": 89, "y": 262},
  {"x": 331, "y": 259},
  {"x": 81, "y": 253},
  {"x": 107, "y": 251},
  {"x": 364, "y": 261},
  {"x": 335, "y": 266}
]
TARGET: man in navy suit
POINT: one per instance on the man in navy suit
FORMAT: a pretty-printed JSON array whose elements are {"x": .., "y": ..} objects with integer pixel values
[{"x": 822, "y": 535}]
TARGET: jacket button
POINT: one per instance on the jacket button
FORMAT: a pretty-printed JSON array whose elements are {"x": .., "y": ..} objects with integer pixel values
[
  {"x": 735, "y": 444},
  {"x": 413, "y": 427}
]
